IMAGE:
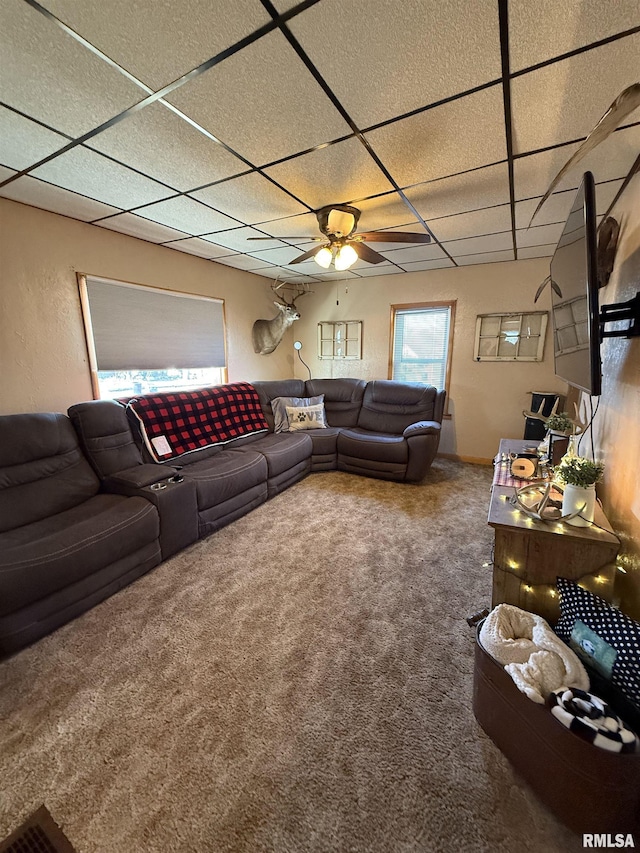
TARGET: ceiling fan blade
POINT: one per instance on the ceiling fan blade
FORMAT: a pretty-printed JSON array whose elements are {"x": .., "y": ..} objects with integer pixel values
[
  {"x": 310, "y": 254},
  {"x": 367, "y": 254},
  {"x": 393, "y": 237}
]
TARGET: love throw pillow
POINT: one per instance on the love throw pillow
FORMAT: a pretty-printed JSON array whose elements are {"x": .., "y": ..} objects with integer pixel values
[
  {"x": 279, "y": 409},
  {"x": 306, "y": 417}
]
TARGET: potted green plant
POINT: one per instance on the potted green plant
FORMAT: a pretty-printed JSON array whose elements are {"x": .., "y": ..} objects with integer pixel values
[
  {"x": 579, "y": 476},
  {"x": 560, "y": 423}
]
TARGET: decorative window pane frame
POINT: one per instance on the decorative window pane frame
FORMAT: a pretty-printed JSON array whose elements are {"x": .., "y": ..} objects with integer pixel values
[
  {"x": 513, "y": 336},
  {"x": 340, "y": 339}
]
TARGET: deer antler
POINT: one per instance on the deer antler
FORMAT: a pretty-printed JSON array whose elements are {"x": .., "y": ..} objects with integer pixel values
[{"x": 275, "y": 287}]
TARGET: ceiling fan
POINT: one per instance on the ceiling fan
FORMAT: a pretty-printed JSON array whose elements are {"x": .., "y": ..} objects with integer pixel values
[{"x": 337, "y": 222}]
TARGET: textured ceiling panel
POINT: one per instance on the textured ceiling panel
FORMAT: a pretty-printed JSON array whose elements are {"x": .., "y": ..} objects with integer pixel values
[
  {"x": 48, "y": 197},
  {"x": 293, "y": 226},
  {"x": 277, "y": 256},
  {"x": 462, "y": 134},
  {"x": 542, "y": 29},
  {"x": 251, "y": 198},
  {"x": 401, "y": 55},
  {"x": 196, "y": 246},
  {"x": 136, "y": 226},
  {"x": 23, "y": 142},
  {"x": 378, "y": 269},
  {"x": 491, "y": 220},
  {"x": 135, "y": 34},
  {"x": 536, "y": 252},
  {"x": 611, "y": 160},
  {"x": 462, "y": 193},
  {"x": 425, "y": 252},
  {"x": 84, "y": 172},
  {"x": 385, "y": 212},
  {"x": 241, "y": 262},
  {"x": 557, "y": 207},
  {"x": 187, "y": 215},
  {"x": 236, "y": 239},
  {"x": 331, "y": 175},
  {"x": 490, "y": 258},
  {"x": 417, "y": 266},
  {"x": 563, "y": 102},
  {"x": 46, "y": 74},
  {"x": 539, "y": 235},
  {"x": 4, "y": 174},
  {"x": 244, "y": 102},
  {"x": 480, "y": 245},
  {"x": 164, "y": 146}
]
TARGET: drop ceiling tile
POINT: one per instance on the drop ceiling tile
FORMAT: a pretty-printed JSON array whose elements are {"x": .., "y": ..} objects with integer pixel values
[
  {"x": 403, "y": 55},
  {"x": 385, "y": 212},
  {"x": 556, "y": 208},
  {"x": 333, "y": 275},
  {"x": 262, "y": 102},
  {"x": 5, "y": 174},
  {"x": 276, "y": 256},
  {"x": 186, "y": 215},
  {"x": 49, "y": 76},
  {"x": 563, "y": 101},
  {"x": 459, "y": 135},
  {"x": 488, "y": 258},
  {"x": 416, "y": 266},
  {"x": 480, "y": 245},
  {"x": 490, "y": 220},
  {"x": 48, "y": 197},
  {"x": 95, "y": 176},
  {"x": 331, "y": 175},
  {"x": 241, "y": 262},
  {"x": 539, "y": 235},
  {"x": 294, "y": 227},
  {"x": 159, "y": 42},
  {"x": 424, "y": 252},
  {"x": 536, "y": 252},
  {"x": 378, "y": 269},
  {"x": 283, "y": 273},
  {"x": 196, "y": 246},
  {"x": 462, "y": 193},
  {"x": 611, "y": 160},
  {"x": 160, "y": 144},
  {"x": 250, "y": 198},
  {"x": 136, "y": 226},
  {"x": 23, "y": 142},
  {"x": 539, "y": 32},
  {"x": 237, "y": 239}
]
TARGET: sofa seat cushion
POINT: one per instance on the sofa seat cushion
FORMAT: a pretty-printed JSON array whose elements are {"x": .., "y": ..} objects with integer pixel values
[
  {"x": 325, "y": 441},
  {"x": 226, "y": 475},
  {"x": 284, "y": 450},
  {"x": 47, "y": 555},
  {"x": 376, "y": 446}
]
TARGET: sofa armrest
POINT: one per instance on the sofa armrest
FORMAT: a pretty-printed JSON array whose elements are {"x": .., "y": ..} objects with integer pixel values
[
  {"x": 422, "y": 428},
  {"x": 137, "y": 477},
  {"x": 172, "y": 494}
]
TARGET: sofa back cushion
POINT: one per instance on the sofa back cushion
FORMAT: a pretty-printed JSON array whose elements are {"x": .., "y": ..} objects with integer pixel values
[
  {"x": 105, "y": 436},
  {"x": 342, "y": 399},
  {"x": 42, "y": 469},
  {"x": 391, "y": 407},
  {"x": 269, "y": 389}
]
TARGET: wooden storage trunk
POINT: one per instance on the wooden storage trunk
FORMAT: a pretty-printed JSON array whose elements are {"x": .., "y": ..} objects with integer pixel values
[{"x": 589, "y": 789}]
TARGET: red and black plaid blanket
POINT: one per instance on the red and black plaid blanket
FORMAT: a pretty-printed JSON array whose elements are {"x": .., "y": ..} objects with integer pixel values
[{"x": 179, "y": 423}]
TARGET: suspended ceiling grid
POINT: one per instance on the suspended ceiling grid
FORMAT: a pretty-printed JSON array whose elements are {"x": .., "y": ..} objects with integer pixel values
[{"x": 196, "y": 124}]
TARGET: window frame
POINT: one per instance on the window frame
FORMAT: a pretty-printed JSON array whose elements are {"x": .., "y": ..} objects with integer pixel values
[
  {"x": 426, "y": 306},
  {"x": 88, "y": 328}
]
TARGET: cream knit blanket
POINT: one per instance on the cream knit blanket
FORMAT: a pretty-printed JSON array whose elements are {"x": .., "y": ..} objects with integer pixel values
[{"x": 533, "y": 655}]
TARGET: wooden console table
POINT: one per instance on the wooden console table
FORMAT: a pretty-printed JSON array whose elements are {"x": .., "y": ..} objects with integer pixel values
[{"x": 530, "y": 554}]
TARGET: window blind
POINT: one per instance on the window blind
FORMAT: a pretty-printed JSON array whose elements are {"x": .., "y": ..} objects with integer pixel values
[
  {"x": 420, "y": 344},
  {"x": 144, "y": 328}
]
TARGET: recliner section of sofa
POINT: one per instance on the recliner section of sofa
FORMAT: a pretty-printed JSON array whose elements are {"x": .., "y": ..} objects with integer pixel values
[{"x": 64, "y": 546}]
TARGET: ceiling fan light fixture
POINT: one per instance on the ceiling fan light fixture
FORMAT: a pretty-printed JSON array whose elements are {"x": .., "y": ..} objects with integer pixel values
[
  {"x": 323, "y": 257},
  {"x": 346, "y": 257},
  {"x": 340, "y": 222}
]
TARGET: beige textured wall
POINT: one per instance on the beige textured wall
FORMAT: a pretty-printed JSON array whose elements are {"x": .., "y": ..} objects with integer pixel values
[
  {"x": 487, "y": 398},
  {"x": 43, "y": 358},
  {"x": 617, "y": 422}
]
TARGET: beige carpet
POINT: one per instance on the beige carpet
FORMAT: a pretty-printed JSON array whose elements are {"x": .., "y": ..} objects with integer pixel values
[{"x": 300, "y": 681}]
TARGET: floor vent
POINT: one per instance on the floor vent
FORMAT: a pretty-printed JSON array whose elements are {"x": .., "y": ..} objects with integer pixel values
[{"x": 38, "y": 834}]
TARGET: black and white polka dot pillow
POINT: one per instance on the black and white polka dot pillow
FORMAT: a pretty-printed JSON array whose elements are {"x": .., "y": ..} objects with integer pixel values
[{"x": 614, "y": 628}]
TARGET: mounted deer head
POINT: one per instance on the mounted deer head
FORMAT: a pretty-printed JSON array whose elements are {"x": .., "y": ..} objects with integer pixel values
[{"x": 267, "y": 334}]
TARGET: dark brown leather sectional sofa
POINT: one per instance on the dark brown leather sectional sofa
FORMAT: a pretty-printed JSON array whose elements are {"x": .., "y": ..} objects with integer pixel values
[{"x": 84, "y": 509}]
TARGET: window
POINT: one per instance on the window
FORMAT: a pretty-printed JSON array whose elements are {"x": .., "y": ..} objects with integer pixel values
[
  {"x": 143, "y": 339},
  {"x": 510, "y": 337},
  {"x": 340, "y": 339},
  {"x": 422, "y": 340}
]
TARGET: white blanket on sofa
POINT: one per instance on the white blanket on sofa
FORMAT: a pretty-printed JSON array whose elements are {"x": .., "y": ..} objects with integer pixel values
[{"x": 533, "y": 655}]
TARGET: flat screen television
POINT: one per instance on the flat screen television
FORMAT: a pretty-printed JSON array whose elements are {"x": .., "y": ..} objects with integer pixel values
[{"x": 574, "y": 295}]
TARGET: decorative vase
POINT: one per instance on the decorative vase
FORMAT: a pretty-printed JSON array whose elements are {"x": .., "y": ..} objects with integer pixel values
[{"x": 579, "y": 498}]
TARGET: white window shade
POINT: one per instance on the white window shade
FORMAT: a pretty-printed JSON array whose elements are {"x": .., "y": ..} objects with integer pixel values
[
  {"x": 144, "y": 328},
  {"x": 421, "y": 344}
]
